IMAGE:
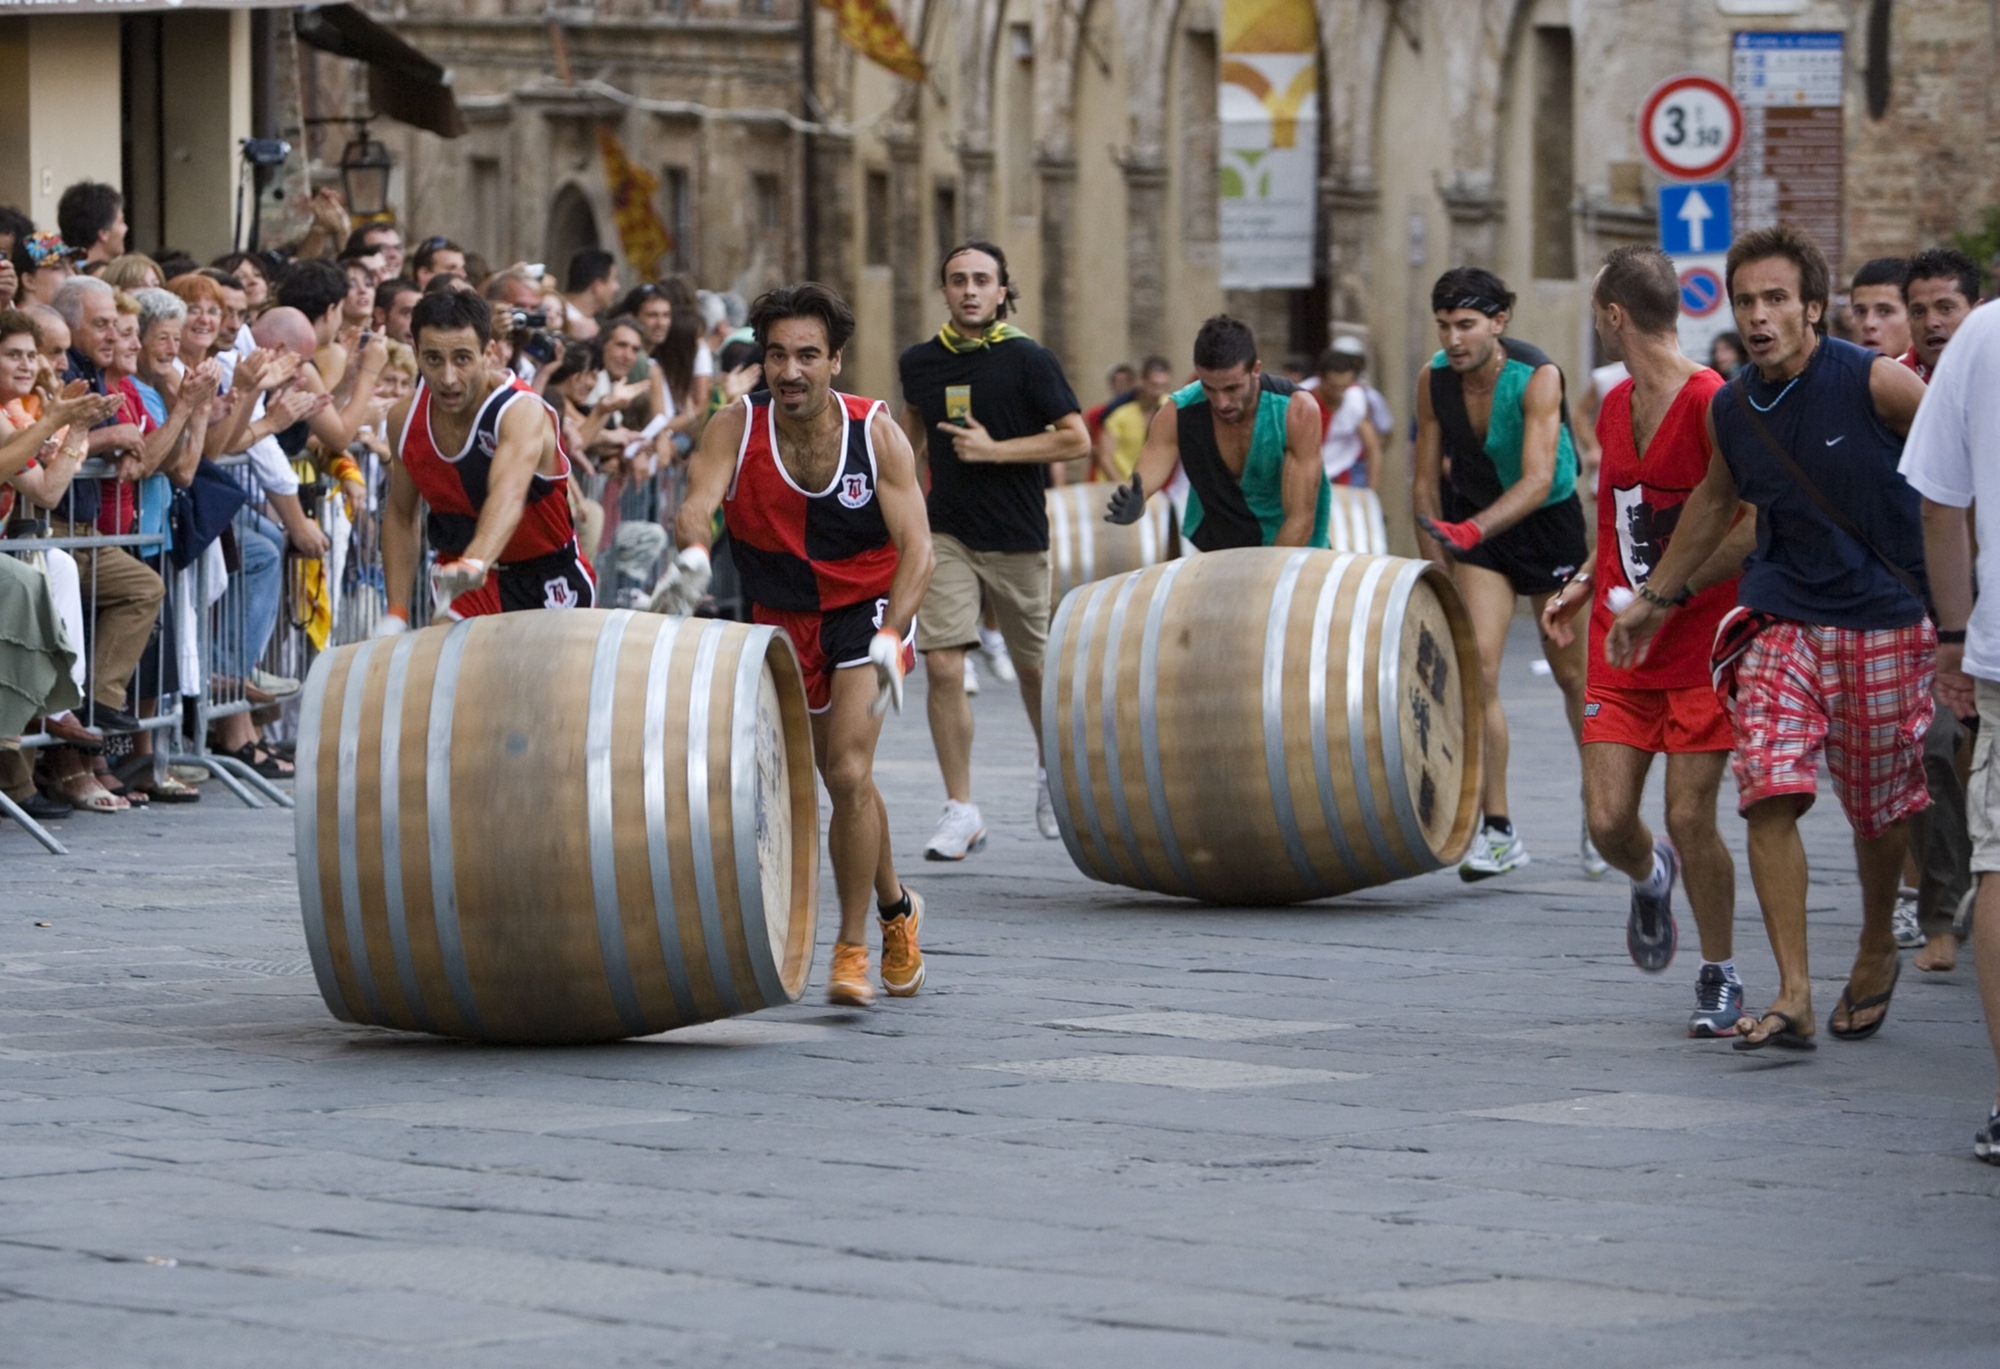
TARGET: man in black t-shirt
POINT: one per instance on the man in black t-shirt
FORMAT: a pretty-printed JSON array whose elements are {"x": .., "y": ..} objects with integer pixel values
[{"x": 992, "y": 409}]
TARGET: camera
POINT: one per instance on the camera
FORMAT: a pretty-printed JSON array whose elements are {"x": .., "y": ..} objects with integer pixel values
[
  {"x": 266, "y": 151},
  {"x": 531, "y": 335}
]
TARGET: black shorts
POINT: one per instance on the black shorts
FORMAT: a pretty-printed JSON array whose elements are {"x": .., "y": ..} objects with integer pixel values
[
  {"x": 558, "y": 580},
  {"x": 833, "y": 639},
  {"x": 1538, "y": 554}
]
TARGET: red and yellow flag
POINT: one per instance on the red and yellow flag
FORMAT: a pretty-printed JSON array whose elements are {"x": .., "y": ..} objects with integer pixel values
[
  {"x": 870, "y": 27},
  {"x": 641, "y": 232}
]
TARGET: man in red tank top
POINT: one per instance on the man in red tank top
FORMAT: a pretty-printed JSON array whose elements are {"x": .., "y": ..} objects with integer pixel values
[
  {"x": 832, "y": 543},
  {"x": 484, "y": 453},
  {"x": 1653, "y": 431}
]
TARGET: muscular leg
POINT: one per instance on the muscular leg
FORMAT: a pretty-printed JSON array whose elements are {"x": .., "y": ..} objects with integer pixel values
[
  {"x": 951, "y": 719},
  {"x": 1567, "y": 664},
  {"x": 1707, "y": 871},
  {"x": 1614, "y": 777},
  {"x": 1489, "y": 600},
  {"x": 1031, "y": 695},
  {"x": 858, "y": 836},
  {"x": 1879, "y": 863},
  {"x": 1778, "y": 870}
]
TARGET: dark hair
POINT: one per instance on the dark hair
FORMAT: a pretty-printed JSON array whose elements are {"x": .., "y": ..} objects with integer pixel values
[
  {"x": 1944, "y": 263},
  {"x": 1642, "y": 280},
  {"x": 13, "y": 321},
  {"x": 808, "y": 299},
  {"x": 312, "y": 287},
  {"x": 427, "y": 251},
  {"x": 1471, "y": 287},
  {"x": 440, "y": 283},
  {"x": 1883, "y": 271},
  {"x": 1009, "y": 296},
  {"x": 1731, "y": 339},
  {"x": 1783, "y": 240},
  {"x": 85, "y": 210},
  {"x": 357, "y": 241},
  {"x": 1343, "y": 363},
  {"x": 226, "y": 279},
  {"x": 636, "y": 297},
  {"x": 586, "y": 268},
  {"x": 14, "y": 223},
  {"x": 1155, "y": 362},
  {"x": 233, "y": 261},
  {"x": 736, "y": 355},
  {"x": 386, "y": 292},
  {"x": 174, "y": 262},
  {"x": 1224, "y": 342},
  {"x": 449, "y": 310},
  {"x": 625, "y": 321},
  {"x": 576, "y": 360}
]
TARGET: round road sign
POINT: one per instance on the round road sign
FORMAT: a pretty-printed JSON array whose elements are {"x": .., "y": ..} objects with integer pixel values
[
  {"x": 1701, "y": 291},
  {"x": 1690, "y": 127}
]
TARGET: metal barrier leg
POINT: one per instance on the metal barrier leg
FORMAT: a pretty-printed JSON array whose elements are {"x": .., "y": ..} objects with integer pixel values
[
  {"x": 250, "y": 776},
  {"x": 34, "y": 829}
]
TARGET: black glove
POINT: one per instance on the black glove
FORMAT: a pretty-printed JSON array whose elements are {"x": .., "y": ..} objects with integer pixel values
[{"x": 1128, "y": 503}]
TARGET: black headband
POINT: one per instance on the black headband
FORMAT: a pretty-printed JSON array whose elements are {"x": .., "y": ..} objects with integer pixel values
[{"x": 1485, "y": 305}]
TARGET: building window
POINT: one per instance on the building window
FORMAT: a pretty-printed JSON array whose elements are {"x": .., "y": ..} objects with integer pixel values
[
  {"x": 766, "y": 202},
  {"x": 679, "y": 216},
  {"x": 1554, "y": 144},
  {"x": 1201, "y": 138},
  {"x": 488, "y": 230},
  {"x": 944, "y": 220},
  {"x": 877, "y": 208},
  {"x": 1018, "y": 59}
]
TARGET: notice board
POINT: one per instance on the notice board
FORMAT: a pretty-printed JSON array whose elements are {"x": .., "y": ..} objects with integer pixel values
[{"x": 1790, "y": 168}]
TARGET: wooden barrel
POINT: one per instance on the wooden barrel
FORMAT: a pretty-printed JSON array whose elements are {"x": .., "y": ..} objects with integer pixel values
[
  {"x": 1264, "y": 725},
  {"x": 558, "y": 826},
  {"x": 1083, "y": 547},
  {"x": 1356, "y": 522}
]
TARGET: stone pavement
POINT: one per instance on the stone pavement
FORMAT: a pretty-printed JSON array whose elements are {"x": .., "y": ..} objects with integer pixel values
[{"x": 1423, "y": 1125}]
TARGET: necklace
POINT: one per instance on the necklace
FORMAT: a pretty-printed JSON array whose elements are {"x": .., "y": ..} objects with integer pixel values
[{"x": 1766, "y": 408}]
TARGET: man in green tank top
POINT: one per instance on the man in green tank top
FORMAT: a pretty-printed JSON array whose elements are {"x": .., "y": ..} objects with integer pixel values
[
  {"x": 1250, "y": 454},
  {"x": 1494, "y": 490}
]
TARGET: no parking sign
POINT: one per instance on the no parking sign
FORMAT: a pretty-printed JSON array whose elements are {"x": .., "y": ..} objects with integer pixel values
[
  {"x": 1705, "y": 310},
  {"x": 1701, "y": 291}
]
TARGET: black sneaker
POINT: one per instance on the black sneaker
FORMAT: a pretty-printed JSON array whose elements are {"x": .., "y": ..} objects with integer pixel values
[
  {"x": 42, "y": 808},
  {"x": 1718, "y": 1004},
  {"x": 1650, "y": 934},
  {"x": 1986, "y": 1140},
  {"x": 105, "y": 718}
]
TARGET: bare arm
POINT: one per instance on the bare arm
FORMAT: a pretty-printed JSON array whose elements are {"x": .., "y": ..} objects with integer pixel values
[
  {"x": 1897, "y": 392},
  {"x": 1303, "y": 476},
  {"x": 399, "y": 529},
  {"x": 1107, "y": 452},
  {"x": 1371, "y": 448},
  {"x": 335, "y": 425},
  {"x": 523, "y": 439},
  {"x": 911, "y": 421},
  {"x": 909, "y": 522},
  {"x": 1064, "y": 440},
  {"x": 1948, "y": 562},
  {"x": 709, "y": 468},
  {"x": 1427, "y": 472},
  {"x": 1541, "y": 433}
]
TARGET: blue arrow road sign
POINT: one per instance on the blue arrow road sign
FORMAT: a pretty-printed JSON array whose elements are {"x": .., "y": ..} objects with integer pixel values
[{"x": 1694, "y": 218}]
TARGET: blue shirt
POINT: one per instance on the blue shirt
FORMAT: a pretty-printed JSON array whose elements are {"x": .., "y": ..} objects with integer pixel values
[{"x": 1803, "y": 567}]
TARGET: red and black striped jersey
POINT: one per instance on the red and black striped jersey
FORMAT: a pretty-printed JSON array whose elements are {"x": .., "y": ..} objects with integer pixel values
[
  {"x": 454, "y": 487},
  {"x": 805, "y": 551}
]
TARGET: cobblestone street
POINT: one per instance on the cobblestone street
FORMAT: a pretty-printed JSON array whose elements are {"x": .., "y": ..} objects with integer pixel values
[{"x": 1427, "y": 1124}]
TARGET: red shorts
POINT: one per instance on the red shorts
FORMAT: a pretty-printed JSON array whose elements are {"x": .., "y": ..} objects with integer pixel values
[
  {"x": 835, "y": 639},
  {"x": 1862, "y": 696},
  {"x": 1665, "y": 722}
]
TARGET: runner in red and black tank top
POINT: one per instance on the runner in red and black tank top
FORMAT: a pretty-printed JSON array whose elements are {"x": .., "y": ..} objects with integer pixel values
[{"x": 541, "y": 566}]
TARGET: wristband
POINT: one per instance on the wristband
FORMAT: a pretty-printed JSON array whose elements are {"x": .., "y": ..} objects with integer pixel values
[
  {"x": 1646, "y": 593},
  {"x": 1952, "y": 636},
  {"x": 400, "y": 611}
]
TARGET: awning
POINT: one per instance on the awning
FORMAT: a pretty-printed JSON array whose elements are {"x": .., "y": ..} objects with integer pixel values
[{"x": 403, "y": 84}]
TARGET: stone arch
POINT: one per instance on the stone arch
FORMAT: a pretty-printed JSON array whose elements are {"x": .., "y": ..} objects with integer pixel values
[{"x": 572, "y": 226}]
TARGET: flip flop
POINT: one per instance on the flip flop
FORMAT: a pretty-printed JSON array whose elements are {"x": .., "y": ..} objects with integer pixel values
[
  {"x": 1881, "y": 1000},
  {"x": 1788, "y": 1038}
]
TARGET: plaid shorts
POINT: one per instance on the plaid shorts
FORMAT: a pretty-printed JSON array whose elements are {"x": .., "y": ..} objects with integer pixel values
[{"x": 1863, "y": 696}]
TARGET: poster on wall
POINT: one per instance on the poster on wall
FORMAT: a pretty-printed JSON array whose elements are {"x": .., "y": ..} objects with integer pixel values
[
  {"x": 1268, "y": 106},
  {"x": 1790, "y": 168}
]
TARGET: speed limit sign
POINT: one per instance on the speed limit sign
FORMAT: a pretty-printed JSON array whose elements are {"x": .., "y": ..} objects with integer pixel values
[{"x": 1690, "y": 127}]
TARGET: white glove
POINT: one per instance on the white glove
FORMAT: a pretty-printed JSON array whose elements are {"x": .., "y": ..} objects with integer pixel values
[
  {"x": 885, "y": 653},
  {"x": 391, "y": 626},
  {"x": 684, "y": 584},
  {"x": 449, "y": 579}
]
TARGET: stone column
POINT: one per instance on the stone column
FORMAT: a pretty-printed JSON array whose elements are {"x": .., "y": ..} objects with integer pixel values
[
  {"x": 975, "y": 190},
  {"x": 1058, "y": 186},
  {"x": 1145, "y": 255},
  {"x": 1475, "y": 220},
  {"x": 906, "y": 226},
  {"x": 1350, "y": 208},
  {"x": 833, "y": 182}
]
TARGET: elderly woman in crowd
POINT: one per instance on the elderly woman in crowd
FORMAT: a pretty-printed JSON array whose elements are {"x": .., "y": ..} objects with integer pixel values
[
  {"x": 133, "y": 271},
  {"x": 201, "y": 330}
]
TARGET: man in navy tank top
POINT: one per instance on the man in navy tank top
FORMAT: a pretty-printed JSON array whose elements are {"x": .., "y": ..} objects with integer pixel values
[
  {"x": 1830, "y": 648},
  {"x": 819, "y": 491}
]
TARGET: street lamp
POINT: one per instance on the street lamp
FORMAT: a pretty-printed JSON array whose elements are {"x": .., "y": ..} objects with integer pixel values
[{"x": 364, "y": 174}]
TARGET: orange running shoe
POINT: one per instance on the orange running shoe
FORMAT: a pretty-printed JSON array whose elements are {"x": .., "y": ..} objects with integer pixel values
[
  {"x": 848, "y": 982},
  {"x": 902, "y": 962}
]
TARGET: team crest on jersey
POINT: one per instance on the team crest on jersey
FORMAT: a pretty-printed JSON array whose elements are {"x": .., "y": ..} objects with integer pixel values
[
  {"x": 486, "y": 442},
  {"x": 854, "y": 491},
  {"x": 558, "y": 593}
]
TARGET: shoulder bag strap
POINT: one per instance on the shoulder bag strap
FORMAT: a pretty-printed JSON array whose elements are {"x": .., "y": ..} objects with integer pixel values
[{"x": 1826, "y": 506}]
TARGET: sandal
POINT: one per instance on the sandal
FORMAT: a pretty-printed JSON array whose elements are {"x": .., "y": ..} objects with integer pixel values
[
  {"x": 270, "y": 767},
  {"x": 137, "y": 775},
  {"x": 1787, "y": 1036},
  {"x": 82, "y": 791},
  {"x": 111, "y": 784},
  {"x": 1881, "y": 1000}
]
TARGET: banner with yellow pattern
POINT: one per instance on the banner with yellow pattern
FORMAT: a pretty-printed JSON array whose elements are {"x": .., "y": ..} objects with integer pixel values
[{"x": 1269, "y": 109}]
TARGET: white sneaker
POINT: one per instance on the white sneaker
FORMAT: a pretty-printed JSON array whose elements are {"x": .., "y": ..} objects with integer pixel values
[
  {"x": 1493, "y": 853},
  {"x": 1045, "y": 808},
  {"x": 1909, "y": 934},
  {"x": 971, "y": 675},
  {"x": 994, "y": 648},
  {"x": 1594, "y": 865},
  {"x": 960, "y": 832}
]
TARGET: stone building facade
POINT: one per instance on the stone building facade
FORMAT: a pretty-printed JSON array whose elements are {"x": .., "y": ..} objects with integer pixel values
[{"x": 1081, "y": 136}]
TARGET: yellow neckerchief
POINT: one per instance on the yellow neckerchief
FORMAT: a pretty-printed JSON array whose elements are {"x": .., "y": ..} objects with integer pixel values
[{"x": 958, "y": 343}]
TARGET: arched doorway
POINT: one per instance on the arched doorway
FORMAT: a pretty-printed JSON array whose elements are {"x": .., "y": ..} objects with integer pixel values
[{"x": 572, "y": 227}]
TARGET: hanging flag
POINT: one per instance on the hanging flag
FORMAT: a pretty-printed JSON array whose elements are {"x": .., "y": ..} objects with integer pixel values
[
  {"x": 641, "y": 232},
  {"x": 871, "y": 29},
  {"x": 1269, "y": 108}
]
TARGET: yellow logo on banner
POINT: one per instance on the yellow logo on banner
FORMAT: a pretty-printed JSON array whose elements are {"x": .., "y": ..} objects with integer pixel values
[{"x": 1268, "y": 103}]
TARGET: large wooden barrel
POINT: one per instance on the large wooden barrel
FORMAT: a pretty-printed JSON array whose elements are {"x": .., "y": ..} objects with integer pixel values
[
  {"x": 558, "y": 826},
  {"x": 1356, "y": 521},
  {"x": 1264, "y": 725},
  {"x": 1083, "y": 547}
]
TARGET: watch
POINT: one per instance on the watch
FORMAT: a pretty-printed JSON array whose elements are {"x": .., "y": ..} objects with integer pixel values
[{"x": 1952, "y": 636}]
